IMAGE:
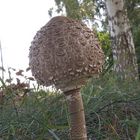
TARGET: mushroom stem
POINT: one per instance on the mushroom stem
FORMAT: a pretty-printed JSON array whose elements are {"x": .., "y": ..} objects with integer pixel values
[{"x": 77, "y": 115}]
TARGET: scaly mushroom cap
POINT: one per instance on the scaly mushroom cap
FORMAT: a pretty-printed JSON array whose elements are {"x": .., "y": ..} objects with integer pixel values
[{"x": 65, "y": 52}]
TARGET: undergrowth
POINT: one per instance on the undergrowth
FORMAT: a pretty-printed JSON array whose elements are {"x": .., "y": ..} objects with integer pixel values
[{"x": 112, "y": 109}]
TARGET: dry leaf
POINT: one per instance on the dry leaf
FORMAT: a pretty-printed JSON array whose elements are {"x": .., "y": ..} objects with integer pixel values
[{"x": 19, "y": 73}]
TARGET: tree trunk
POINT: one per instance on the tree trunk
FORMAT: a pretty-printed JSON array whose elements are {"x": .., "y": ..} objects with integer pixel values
[
  {"x": 77, "y": 116},
  {"x": 125, "y": 61}
]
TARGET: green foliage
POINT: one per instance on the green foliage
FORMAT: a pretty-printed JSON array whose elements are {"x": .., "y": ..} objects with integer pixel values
[
  {"x": 105, "y": 42},
  {"x": 104, "y": 39},
  {"x": 136, "y": 35},
  {"x": 82, "y": 9},
  {"x": 138, "y": 134},
  {"x": 37, "y": 115},
  {"x": 134, "y": 15},
  {"x": 75, "y": 9},
  {"x": 112, "y": 110},
  {"x": 30, "y": 113},
  {"x": 72, "y": 8}
]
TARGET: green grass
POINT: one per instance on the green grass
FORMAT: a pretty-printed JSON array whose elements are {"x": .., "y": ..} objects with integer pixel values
[
  {"x": 112, "y": 109},
  {"x": 35, "y": 116}
]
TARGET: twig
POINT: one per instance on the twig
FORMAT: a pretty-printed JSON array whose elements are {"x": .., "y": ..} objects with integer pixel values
[{"x": 1, "y": 62}]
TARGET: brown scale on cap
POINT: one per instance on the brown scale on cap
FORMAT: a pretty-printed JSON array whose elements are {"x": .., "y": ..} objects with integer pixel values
[{"x": 65, "y": 53}]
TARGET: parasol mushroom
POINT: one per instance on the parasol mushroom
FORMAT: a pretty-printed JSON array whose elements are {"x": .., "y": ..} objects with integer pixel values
[{"x": 66, "y": 53}]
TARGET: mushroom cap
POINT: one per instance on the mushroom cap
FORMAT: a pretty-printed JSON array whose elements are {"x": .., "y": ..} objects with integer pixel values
[{"x": 65, "y": 53}]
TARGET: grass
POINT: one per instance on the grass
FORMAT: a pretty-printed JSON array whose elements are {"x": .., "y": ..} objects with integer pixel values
[{"x": 112, "y": 110}]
